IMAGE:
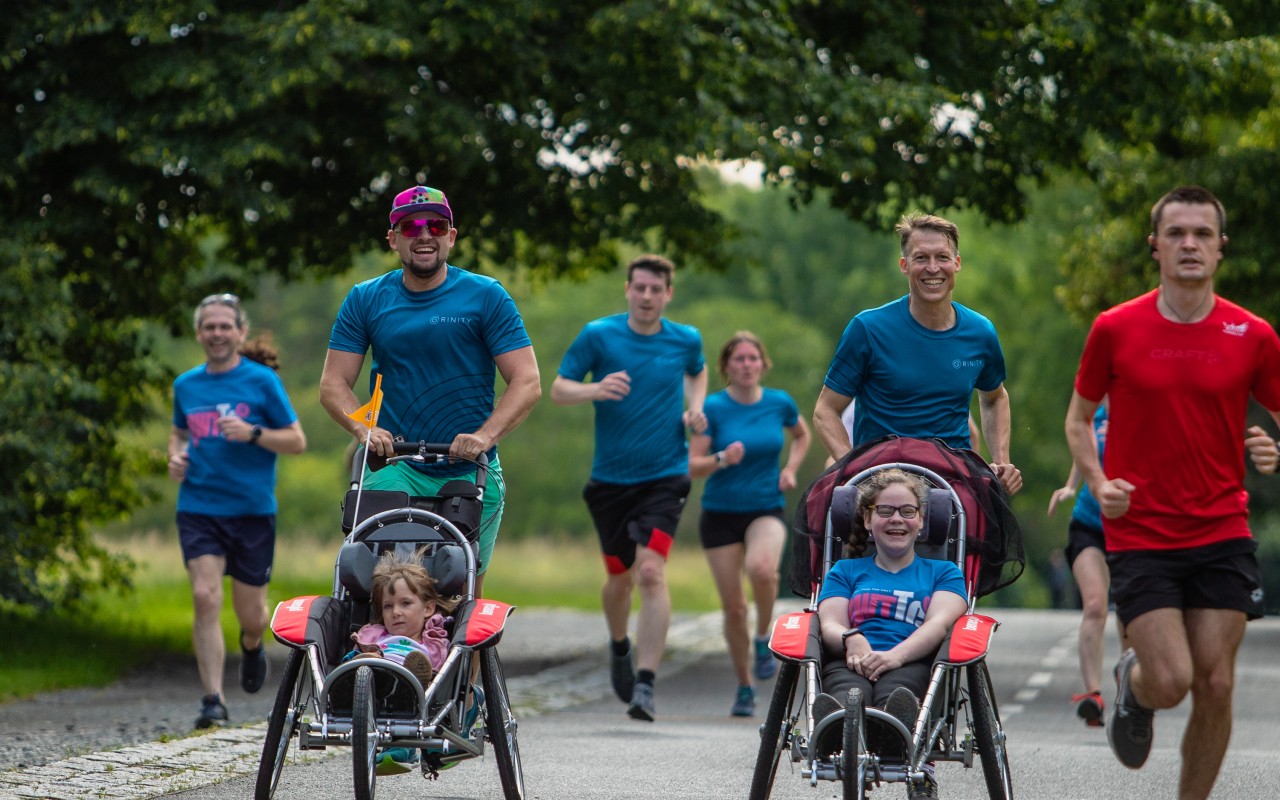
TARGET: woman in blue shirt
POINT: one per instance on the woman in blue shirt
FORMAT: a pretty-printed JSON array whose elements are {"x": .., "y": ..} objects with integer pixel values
[
  {"x": 1087, "y": 558},
  {"x": 742, "y": 527}
]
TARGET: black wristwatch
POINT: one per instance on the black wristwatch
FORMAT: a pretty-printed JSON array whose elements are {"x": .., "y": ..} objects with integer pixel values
[
  {"x": 255, "y": 433},
  {"x": 854, "y": 631}
]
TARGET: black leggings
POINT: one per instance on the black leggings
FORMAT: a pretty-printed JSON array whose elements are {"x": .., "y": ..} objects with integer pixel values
[{"x": 837, "y": 680}]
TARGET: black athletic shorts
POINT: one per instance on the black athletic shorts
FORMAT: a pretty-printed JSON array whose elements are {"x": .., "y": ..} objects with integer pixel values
[
  {"x": 248, "y": 543},
  {"x": 1081, "y": 536},
  {"x": 1223, "y": 575},
  {"x": 633, "y": 514},
  {"x": 721, "y": 528}
]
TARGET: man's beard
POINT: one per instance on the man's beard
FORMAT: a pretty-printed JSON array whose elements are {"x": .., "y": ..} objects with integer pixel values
[{"x": 424, "y": 273}]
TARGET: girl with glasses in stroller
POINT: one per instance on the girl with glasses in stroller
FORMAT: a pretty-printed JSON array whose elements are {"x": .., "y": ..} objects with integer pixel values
[{"x": 884, "y": 615}]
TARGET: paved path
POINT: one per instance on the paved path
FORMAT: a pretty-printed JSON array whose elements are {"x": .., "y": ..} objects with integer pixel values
[{"x": 553, "y": 658}]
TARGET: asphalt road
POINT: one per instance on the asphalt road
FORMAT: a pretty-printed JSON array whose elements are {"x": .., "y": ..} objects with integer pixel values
[{"x": 577, "y": 742}]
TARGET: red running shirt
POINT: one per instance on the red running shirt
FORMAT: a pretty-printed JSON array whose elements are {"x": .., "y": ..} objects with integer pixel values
[{"x": 1178, "y": 399}]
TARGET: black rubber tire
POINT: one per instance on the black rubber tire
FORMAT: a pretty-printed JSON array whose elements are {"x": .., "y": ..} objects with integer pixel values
[
  {"x": 286, "y": 716},
  {"x": 500, "y": 727},
  {"x": 775, "y": 734},
  {"x": 853, "y": 768},
  {"x": 989, "y": 734},
  {"x": 364, "y": 735}
]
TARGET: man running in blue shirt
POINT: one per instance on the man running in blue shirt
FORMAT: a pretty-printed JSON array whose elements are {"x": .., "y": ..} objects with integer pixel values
[
  {"x": 645, "y": 369},
  {"x": 913, "y": 364},
  {"x": 437, "y": 332}
]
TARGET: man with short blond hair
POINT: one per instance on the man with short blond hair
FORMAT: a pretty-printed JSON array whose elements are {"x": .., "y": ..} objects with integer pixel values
[{"x": 914, "y": 364}]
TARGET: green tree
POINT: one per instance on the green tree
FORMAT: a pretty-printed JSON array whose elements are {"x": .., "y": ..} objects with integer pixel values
[
  {"x": 160, "y": 149},
  {"x": 1192, "y": 98}
]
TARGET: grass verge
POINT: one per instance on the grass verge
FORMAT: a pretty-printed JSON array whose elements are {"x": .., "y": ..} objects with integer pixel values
[{"x": 120, "y": 631}]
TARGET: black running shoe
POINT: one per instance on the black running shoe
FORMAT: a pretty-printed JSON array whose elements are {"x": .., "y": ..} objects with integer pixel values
[
  {"x": 824, "y": 705},
  {"x": 213, "y": 714},
  {"x": 253, "y": 666},
  {"x": 903, "y": 706},
  {"x": 641, "y": 706},
  {"x": 622, "y": 674},
  {"x": 1129, "y": 731},
  {"x": 1090, "y": 708}
]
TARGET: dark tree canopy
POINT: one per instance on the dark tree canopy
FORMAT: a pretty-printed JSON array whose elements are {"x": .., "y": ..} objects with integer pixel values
[{"x": 157, "y": 150}]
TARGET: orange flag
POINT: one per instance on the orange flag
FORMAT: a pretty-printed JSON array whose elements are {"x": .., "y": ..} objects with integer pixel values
[{"x": 367, "y": 414}]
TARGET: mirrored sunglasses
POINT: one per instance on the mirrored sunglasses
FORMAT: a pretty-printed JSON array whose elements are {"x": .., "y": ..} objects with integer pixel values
[{"x": 413, "y": 228}]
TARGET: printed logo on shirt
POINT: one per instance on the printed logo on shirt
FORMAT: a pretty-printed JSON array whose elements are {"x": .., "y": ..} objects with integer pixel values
[
  {"x": 899, "y": 605},
  {"x": 444, "y": 319},
  {"x": 664, "y": 363},
  {"x": 1174, "y": 354},
  {"x": 204, "y": 423},
  {"x": 963, "y": 363},
  {"x": 1232, "y": 329}
]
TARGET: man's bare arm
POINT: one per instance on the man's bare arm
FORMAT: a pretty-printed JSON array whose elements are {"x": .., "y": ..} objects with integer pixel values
[{"x": 828, "y": 423}]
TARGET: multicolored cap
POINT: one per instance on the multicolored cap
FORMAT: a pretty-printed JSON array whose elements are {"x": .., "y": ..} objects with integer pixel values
[{"x": 420, "y": 198}]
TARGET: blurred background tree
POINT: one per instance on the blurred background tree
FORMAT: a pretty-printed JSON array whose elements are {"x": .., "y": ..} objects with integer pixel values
[{"x": 158, "y": 150}]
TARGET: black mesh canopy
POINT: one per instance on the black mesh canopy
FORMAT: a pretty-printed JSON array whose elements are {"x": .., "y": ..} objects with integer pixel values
[{"x": 994, "y": 555}]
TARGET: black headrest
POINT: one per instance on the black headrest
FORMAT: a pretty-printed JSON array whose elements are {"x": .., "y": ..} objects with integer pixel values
[
  {"x": 448, "y": 565},
  {"x": 458, "y": 488},
  {"x": 355, "y": 569},
  {"x": 936, "y": 528},
  {"x": 844, "y": 511},
  {"x": 373, "y": 501},
  {"x": 939, "y": 516}
]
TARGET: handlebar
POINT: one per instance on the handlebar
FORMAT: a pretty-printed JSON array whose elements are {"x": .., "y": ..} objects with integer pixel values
[{"x": 428, "y": 453}]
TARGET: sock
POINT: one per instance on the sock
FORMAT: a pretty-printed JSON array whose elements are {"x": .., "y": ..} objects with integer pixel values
[
  {"x": 646, "y": 676},
  {"x": 621, "y": 647}
]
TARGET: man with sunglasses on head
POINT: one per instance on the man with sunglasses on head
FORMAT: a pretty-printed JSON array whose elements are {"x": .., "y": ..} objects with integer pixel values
[
  {"x": 914, "y": 364},
  {"x": 1178, "y": 366},
  {"x": 231, "y": 416},
  {"x": 437, "y": 333}
]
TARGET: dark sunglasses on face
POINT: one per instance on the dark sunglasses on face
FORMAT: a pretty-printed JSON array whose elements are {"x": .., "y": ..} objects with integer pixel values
[
  {"x": 906, "y": 512},
  {"x": 413, "y": 227}
]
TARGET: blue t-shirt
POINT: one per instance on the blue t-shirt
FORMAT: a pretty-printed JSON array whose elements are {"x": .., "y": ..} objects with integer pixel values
[
  {"x": 912, "y": 381},
  {"x": 435, "y": 350},
  {"x": 889, "y": 606},
  {"x": 225, "y": 478},
  {"x": 752, "y": 484},
  {"x": 1086, "y": 510},
  {"x": 640, "y": 437}
]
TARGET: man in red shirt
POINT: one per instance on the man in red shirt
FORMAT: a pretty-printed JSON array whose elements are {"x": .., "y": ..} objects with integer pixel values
[{"x": 1179, "y": 364}]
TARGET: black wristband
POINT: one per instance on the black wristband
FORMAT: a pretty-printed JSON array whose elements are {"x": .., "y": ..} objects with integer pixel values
[
  {"x": 844, "y": 637},
  {"x": 255, "y": 433}
]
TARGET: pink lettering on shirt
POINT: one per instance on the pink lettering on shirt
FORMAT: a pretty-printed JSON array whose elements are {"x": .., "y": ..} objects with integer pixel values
[{"x": 900, "y": 605}]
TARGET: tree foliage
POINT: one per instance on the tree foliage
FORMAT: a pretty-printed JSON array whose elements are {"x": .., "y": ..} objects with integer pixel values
[
  {"x": 1192, "y": 98},
  {"x": 161, "y": 149}
]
